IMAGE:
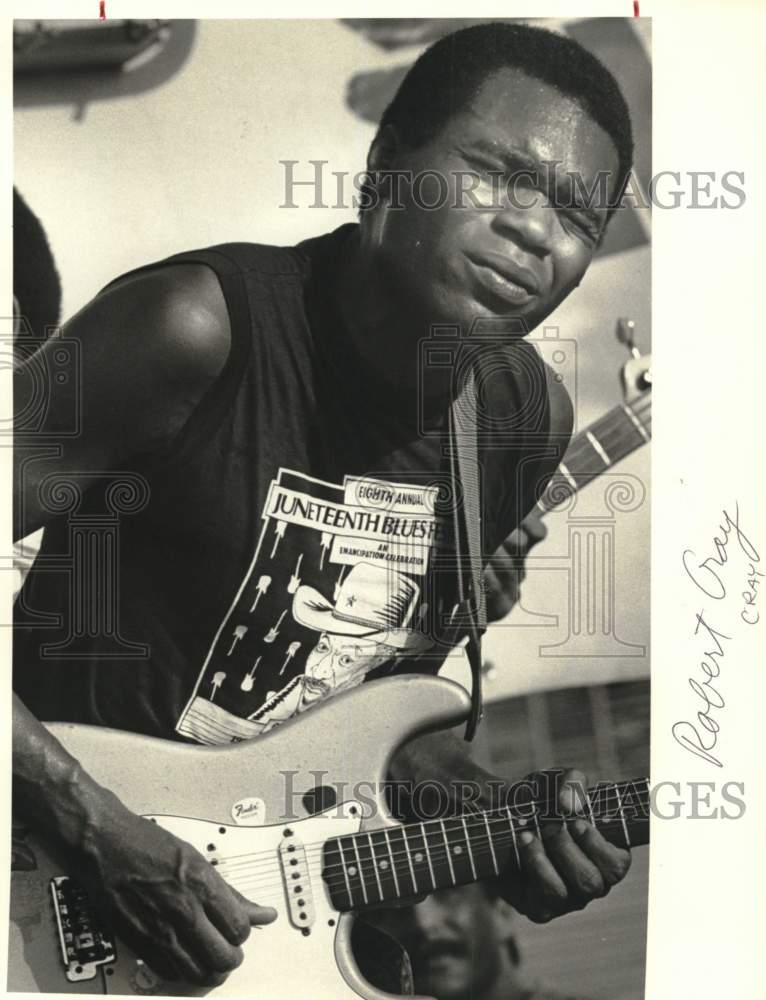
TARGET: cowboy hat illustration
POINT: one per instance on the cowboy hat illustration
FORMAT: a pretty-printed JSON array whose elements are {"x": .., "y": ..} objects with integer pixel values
[{"x": 372, "y": 602}]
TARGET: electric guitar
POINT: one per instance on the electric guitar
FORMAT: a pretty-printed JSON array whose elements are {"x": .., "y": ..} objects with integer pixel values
[
  {"x": 296, "y": 819},
  {"x": 608, "y": 440}
]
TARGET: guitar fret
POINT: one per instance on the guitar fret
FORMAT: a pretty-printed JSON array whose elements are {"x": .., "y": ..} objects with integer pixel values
[
  {"x": 345, "y": 875},
  {"x": 513, "y": 835},
  {"x": 383, "y": 869},
  {"x": 468, "y": 845},
  {"x": 635, "y": 421},
  {"x": 598, "y": 448},
  {"x": 491, "y": 845},
  {"x": 419, "y": 856},
  {"x": 393, "y": 864},
  {"x": 375, "y": 866},
  {"x": 537, "y": 824},
  {"x": 428, "y": 854},
  {"x": 409, "y": 860},
  {"x": 446, "y": 847},
  {"x": 590, "y": 809},
  {"x": 567, "y": 475},
  {"x": 622, "y": 815},
  {"x": 350, "y": 873},
  {"x": 361, "y": 870}
]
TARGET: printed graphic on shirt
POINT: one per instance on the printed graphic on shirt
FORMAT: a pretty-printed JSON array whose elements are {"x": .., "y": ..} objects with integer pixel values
[{"x": 338, "y": 586}]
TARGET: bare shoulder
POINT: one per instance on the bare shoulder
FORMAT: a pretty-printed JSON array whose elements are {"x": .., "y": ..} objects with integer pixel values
[
  {"x": 175, "y": 314},
  {"x": 149, "y": 347}
]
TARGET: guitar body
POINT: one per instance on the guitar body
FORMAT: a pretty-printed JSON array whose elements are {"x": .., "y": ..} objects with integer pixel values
[{"x": 209, "y": 796}]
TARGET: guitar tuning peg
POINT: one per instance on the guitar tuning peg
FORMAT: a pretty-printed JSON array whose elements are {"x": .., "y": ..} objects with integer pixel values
[{"x": 625, "y": 333}]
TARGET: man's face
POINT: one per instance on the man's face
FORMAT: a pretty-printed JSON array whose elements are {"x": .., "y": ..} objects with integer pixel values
[
  {"x": 454, "y": 939},
  {"x": 459, "y": 263}
]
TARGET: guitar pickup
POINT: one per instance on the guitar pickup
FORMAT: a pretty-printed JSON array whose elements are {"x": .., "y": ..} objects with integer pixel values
[
  {"x": 295, "y": 871},
  {"x": 85, "y": 944}
]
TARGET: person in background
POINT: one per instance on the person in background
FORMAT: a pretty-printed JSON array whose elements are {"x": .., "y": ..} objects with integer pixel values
[
  {"x": 36, "y": 282},
  {"x": 36, "y": 309},
  {"x": 461, "y": 945}
]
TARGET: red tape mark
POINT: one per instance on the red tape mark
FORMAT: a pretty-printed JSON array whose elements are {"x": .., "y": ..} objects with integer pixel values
[
  {"x": 635, "y": 9},
  {"x": 102, "y": 9}
]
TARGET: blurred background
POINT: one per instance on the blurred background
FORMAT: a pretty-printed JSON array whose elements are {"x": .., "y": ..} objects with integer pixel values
[{"x": 138, "y": 139}]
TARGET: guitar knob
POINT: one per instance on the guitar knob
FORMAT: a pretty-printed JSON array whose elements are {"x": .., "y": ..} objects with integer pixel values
[
  {"x": 143, "y": 980},
  {"x": 625, "y": 333}
]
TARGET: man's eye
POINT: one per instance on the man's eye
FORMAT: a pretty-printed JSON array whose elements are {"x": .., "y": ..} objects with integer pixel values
[
  {"x": 486, "y": 167},
  {"x": 583, "y": 226}
]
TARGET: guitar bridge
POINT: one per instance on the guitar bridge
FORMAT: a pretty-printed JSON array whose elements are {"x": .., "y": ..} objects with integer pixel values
[{"x": 84, "y": 944}]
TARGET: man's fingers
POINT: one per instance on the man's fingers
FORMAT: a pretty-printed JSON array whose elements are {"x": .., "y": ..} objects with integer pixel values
[
  {"x": 573, "y": 794},
  {"x": 581, "y": 875},
  {"x": 611, "y": 861},
  {"x": 545, "y": 894},
  {"x": 258, "y": 915},
  {"x": 233, "y": 914}
]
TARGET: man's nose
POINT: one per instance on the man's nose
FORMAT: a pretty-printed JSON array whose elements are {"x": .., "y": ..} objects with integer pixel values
[
  {"x": 527, "y": 217},
  {"x": 428, "y": 916}
]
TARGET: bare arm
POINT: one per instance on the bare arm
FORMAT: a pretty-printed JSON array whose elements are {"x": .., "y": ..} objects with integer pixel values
[{"x": 149, "y": 348}]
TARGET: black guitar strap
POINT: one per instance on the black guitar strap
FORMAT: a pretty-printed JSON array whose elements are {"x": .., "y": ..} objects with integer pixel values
[{"x": 464, "y": 467}]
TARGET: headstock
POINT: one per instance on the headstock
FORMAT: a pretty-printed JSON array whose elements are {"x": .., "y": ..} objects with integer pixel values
[{"x": 636, "y": 373}]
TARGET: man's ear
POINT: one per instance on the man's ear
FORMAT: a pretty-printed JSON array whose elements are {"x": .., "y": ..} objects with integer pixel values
[
  {"x": 383, "y": 150},
  {"x": 381, "y": 160}
]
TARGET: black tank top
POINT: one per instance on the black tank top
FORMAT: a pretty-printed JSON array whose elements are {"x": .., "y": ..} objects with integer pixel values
[{"x": 284, "y": 548}]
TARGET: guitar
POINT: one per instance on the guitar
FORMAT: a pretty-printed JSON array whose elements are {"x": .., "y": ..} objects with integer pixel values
[
  {"x": 614, "y": 436},
  {"x": 251, "y": 809}
]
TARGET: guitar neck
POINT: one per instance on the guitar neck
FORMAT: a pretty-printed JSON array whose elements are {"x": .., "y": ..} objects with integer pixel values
[
  {"x": 600, "y": 446},
  {"x": 387, "y": 865}
]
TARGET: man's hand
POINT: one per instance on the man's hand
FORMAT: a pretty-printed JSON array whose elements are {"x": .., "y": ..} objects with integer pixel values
[
  {"x": 505, "y": 571},
  {"x": 570, "y": 865},
  {"x": 167, "y": 902}
]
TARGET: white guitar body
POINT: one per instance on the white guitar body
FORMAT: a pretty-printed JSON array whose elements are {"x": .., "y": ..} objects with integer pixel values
[{"x": 204, "y": 795}]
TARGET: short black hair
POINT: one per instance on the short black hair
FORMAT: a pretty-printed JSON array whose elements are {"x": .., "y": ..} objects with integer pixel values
[{"x": 449, "y": 74}]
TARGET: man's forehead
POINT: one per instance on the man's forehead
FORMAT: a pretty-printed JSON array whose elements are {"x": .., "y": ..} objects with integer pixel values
[{"x": 514, "y": 111}]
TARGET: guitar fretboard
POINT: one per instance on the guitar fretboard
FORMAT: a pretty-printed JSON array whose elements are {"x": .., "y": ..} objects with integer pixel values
[
  {"x": 395, "y": 863},
  {"x": 610, "y": 438}
]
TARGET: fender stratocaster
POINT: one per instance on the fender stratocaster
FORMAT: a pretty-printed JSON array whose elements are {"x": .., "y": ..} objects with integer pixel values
[{"x": 251, "y": 809}]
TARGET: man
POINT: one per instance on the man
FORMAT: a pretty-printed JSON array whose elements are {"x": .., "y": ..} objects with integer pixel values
[
  {"x": 462, "y": 946},
  {"x": 273, "y": 404}
]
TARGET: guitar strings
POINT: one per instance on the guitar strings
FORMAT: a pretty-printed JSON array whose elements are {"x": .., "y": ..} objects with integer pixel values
[
  {"x": 367, "y": 872},
  {"x": 336, "y": 873},
  {"x": 597, "y": 803},
  {"x": 599, "y": 798},
  {"x": 392, "y": 850},
  {"x": 252, "y": 876}
]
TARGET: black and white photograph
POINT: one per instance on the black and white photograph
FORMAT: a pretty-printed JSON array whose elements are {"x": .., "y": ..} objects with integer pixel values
[{"x": 357, "y": 637}]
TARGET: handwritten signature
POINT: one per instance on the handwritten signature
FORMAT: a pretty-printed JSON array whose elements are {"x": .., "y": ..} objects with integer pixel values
[{"x": 708, "y": 576}]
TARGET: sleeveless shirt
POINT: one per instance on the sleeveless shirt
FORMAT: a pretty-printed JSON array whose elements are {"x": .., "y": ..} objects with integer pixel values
[{"x": 291, "y": 543}]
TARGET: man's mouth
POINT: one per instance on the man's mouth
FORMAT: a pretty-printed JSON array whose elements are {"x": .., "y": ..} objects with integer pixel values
[
  {"x": 439, "y": 951},
  {"x": 511, "y": 282}
]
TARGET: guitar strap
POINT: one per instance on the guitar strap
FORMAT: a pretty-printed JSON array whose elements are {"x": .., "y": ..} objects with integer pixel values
[{"x": 464, "y": 467}]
